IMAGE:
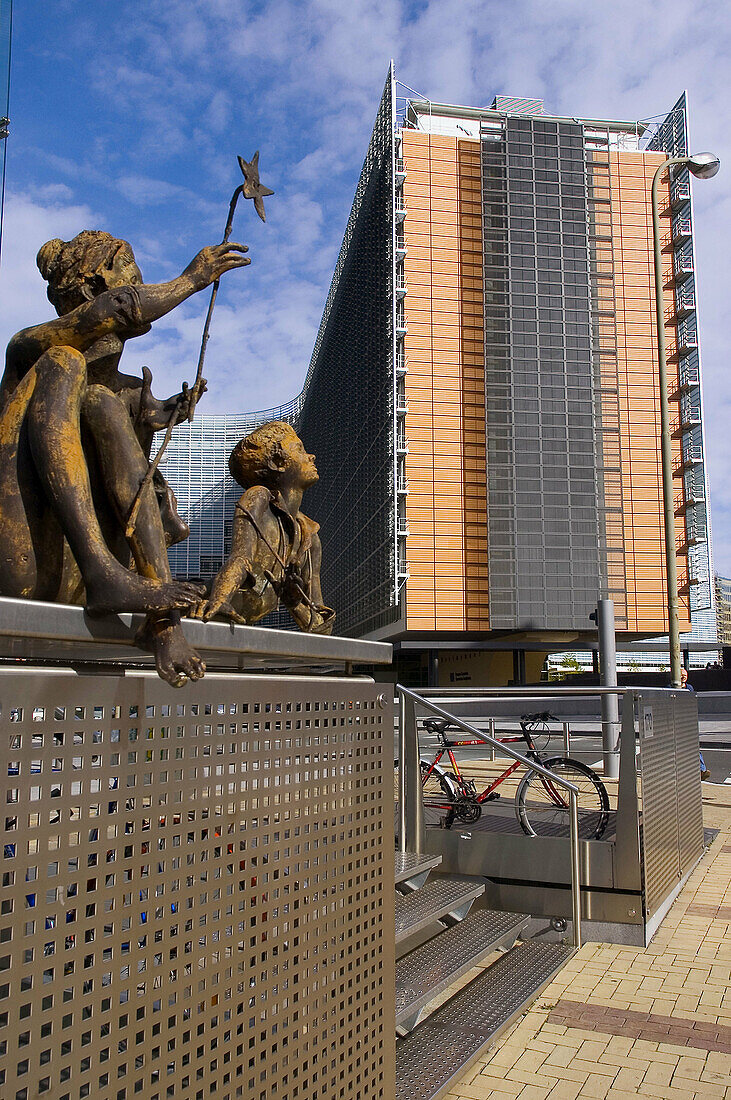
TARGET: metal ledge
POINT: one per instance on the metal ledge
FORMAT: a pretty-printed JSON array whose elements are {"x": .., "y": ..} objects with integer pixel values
[{"x": 34, "y": 630}]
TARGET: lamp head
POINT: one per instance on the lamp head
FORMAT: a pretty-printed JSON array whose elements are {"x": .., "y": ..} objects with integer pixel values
[{"x": 704, "y": 165}]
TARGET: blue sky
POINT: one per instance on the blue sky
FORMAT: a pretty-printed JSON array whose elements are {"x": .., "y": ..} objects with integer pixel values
[{"x": 128, "y": 116}]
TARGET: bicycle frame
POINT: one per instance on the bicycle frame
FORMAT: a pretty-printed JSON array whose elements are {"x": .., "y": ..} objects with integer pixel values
[{"x": 532, "y": 753}]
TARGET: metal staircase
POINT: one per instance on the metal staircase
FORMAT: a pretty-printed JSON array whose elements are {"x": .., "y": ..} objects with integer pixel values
[{"x": 434, "y": 1048}]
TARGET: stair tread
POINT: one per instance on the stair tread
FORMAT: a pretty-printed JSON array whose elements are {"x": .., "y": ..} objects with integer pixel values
[
  {"x": 438, "y": 897},
  {"x": 431, "y": 1058},
  {"x": 408, "y": 864},
  {"x": 432, "y": 967}
]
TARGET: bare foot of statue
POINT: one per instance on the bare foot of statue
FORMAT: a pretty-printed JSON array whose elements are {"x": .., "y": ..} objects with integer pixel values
[
  {"x": 176, "y": 661},
  {"x": 120, "y": 590}
]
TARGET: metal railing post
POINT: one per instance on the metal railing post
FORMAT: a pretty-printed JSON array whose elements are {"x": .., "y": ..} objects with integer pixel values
[
  {"x": 567, "y": 738},
  {"x": 575, "y": 868},
  {"x": 411, "y": 807},
  {"x": 610, "y": 703},
  {"x": 491, "y": 727}
]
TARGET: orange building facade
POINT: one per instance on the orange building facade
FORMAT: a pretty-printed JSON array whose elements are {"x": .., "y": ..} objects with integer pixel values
[{"x": 448, "y": 586}]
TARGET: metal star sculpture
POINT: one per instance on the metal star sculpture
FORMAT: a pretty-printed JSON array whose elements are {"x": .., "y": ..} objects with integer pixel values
[{"x": 253, "y": 188}]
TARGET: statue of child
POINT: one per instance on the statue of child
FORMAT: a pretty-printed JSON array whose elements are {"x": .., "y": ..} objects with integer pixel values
[{"x": 275, "y": 552}]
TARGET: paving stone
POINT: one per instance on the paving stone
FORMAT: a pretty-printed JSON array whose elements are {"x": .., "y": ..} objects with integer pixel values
[{"x": 624, "y": 1022}]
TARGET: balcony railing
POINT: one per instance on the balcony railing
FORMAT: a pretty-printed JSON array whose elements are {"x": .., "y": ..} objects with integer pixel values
[
  {"x": 687, "y": 339},
  {"x": 683, "y": 266},
  {"x": 689, "y": 376},
  {"x": 684, "y": 502},
  {"x": 685, "y": 581},
  {"x": 682, "y": 230},
  {"x": 686, "y": 421},
  {"x": 692, "y": 534},
  {"x": 679, "y": 193},
  {"x": 691, "y": 456},
  {"x": 683, "y": 306}
]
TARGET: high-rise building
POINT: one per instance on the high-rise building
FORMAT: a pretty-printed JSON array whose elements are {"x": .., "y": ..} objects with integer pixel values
[
  {"x": 723, "y": 608},
  {"x": 483, "y": 396}
]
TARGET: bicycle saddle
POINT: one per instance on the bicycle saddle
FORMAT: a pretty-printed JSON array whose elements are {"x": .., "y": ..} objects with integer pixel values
[{"x": 436, "y": 725}]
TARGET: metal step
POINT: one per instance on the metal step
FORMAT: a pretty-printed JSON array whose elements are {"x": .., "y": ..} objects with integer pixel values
[
  {"x": 412, "y": 870},
  {"x": 430, "y": 969},
  {"x": 431, "y": 1058},
  {"x": 447, "y": 898}
]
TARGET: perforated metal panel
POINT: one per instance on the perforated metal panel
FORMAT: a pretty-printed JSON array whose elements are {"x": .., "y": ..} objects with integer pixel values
[
  {"x": 672, "y": 811},
  {"x": 197, "y": 891}
]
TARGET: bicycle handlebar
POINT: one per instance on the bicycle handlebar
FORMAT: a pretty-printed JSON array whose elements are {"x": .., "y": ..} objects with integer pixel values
[{"x": 539, "y": 716}]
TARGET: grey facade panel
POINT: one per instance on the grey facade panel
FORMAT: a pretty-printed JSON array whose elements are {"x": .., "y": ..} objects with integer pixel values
[{"x": 541, "y": 452}]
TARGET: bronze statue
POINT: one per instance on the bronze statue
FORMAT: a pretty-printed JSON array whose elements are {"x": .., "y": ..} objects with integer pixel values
[
  {"x": 75, "y": 437},
  {"x": 275, "y": 553}
]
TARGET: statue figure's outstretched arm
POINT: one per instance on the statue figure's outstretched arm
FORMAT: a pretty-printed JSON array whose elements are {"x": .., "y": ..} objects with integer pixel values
[{"x": 125, "y": 311}]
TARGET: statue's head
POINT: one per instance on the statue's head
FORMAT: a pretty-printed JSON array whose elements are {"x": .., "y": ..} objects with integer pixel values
[
  {"x": 272, "y": 455},
  {"x": 78, "y": 270}
]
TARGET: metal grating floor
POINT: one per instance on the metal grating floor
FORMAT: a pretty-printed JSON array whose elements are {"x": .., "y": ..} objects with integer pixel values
[
  {"x": 440, "y": 1049},
  {"x": 501, "y": 819},
  {"x": 439, "y": 896},
  {"x": 431, "y": 968},
  {"x": 409, "y": 864}
]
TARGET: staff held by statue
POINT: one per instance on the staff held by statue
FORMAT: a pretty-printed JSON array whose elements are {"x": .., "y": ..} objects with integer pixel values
[{"x": 251, "y": 188}]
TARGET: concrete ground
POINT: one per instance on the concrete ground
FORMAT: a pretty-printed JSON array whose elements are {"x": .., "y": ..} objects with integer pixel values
[{"x": 623, "y": 1022}]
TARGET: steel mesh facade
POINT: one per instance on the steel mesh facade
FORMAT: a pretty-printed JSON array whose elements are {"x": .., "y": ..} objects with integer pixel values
[
  {"x": 347, "y": 412},
  {"x": 543, "y": 554}
]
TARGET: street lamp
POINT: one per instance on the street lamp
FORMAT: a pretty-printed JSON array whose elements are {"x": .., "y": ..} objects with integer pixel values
[{"x": 704, "y": 166}]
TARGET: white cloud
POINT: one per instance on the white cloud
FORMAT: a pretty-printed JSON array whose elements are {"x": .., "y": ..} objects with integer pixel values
[{"x": 27, "y": 224}]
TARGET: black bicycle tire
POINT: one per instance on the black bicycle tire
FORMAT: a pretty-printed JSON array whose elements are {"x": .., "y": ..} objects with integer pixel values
[
  {"x": 566, "y": 763},
  {"x": 446, "y": 786}
]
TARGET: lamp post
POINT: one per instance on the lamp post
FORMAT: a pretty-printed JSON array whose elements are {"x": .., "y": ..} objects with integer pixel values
[{"x": 704, "y": 166}]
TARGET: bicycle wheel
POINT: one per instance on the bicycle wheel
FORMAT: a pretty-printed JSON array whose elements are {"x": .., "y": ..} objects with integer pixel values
[
  {"x": 543, "y": 808},
  {"x": 439, "y": 793}
]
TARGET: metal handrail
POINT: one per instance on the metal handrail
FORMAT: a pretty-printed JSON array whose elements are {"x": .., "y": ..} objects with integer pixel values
[{"x": 411, "y": 808}]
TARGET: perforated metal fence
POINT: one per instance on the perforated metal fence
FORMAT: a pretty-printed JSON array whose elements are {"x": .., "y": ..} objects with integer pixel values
[
  {"x": 672, "y": 810},
  {"x": 197, "y": 888}
]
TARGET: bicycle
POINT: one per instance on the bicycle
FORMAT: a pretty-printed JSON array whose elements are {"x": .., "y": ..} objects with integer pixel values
[{"x": 542, "y": 807}]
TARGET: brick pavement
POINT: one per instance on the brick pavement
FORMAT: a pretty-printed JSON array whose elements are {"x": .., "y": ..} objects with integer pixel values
[{"x": 624, "y": 1022}]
